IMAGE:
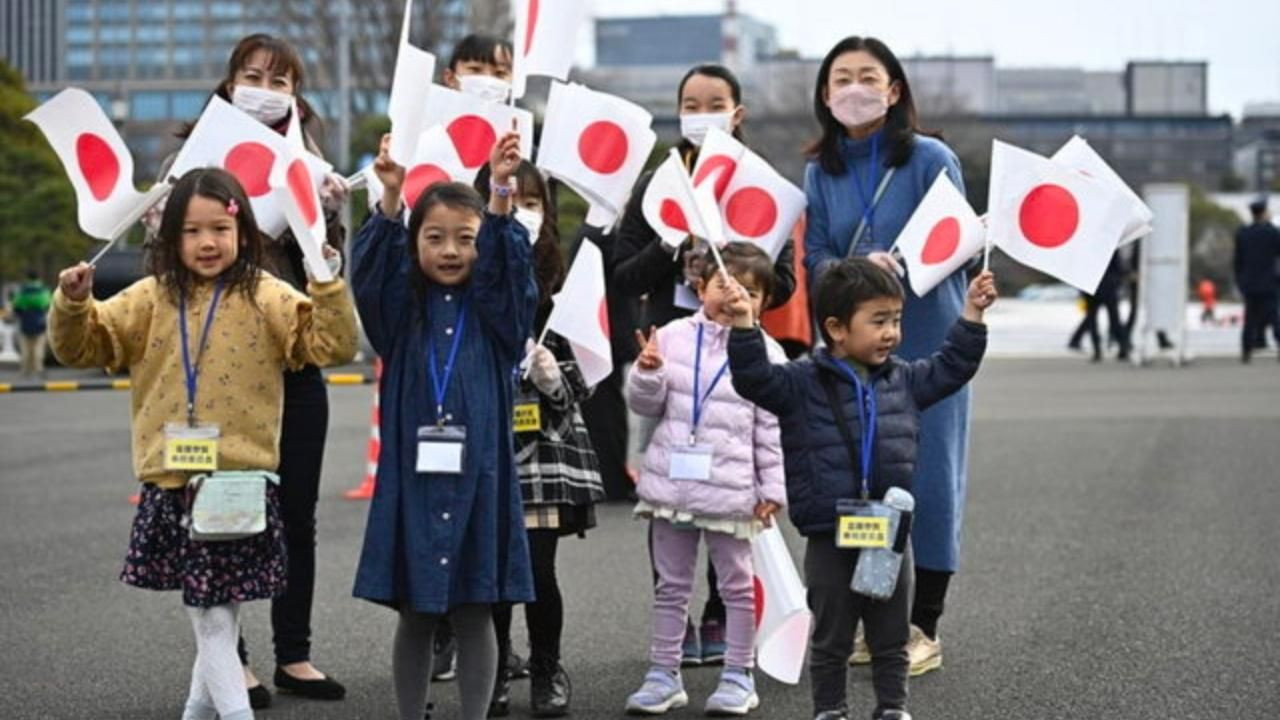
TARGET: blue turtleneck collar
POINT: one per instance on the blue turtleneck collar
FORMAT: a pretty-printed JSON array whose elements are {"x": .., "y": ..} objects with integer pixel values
[{"x": 852, "y": 148}]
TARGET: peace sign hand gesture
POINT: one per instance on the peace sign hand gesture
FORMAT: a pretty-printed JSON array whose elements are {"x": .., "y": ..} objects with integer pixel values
[{"x": 650, "y": 358}]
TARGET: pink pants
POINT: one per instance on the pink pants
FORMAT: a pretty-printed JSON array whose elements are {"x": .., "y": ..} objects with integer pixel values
[{"x": 675, "y": 557}]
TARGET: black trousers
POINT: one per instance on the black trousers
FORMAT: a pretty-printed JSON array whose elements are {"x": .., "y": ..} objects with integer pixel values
[
  {"x": 545, "y": 617},
  {"x": 303, "y": 428},
  {"x": 1115, "y": 328},
  {"x": 828, "y": 570},
  {"x": 605, "y": 414},
  {"x": 931, "y": 596},
  {"x": 1259, "y": 312}
]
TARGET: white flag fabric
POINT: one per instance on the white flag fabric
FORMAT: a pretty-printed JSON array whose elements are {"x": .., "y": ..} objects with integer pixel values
[
  {"x": 545, "y": 39},
  {"x": 1077, "y": 154},
  {"x": 299, "y": 198},
  {"x": 940, "y": 237},
  {"x": 674, "y": 210},
  {"x": 783, "y": 618},
  {"x": 435, "y": 160},
  {"x": 597, "y": 144},
  {"x": 97, "y": 162},
  {"x": 226, "y": 137},
  {"x": 410, "y": 88},
  {"x": 1053, "y": 218},
  {"x": 757, "y": 204},
  {"x": 581, "y": 315},
  {"x": 475, "y": 124}
]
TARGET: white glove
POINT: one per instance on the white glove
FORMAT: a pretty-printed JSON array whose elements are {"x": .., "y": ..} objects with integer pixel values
[
  {"x": 334, "y": 191},
  {"x": 332, "y": 258},
  {"x": 544, "y": 371}
]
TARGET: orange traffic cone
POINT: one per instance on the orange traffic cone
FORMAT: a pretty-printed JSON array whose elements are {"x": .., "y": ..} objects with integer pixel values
[{"x": 364, "y": 491}]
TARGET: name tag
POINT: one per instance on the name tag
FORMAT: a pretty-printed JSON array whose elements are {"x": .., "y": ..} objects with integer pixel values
[
  {"x": 528, "y": 417},
  {"x": 190, "y": 448},
  {"x": 441, "y": 449},
  {"x": 691, "y": 463},
  {"x": 862, "y": 531}
]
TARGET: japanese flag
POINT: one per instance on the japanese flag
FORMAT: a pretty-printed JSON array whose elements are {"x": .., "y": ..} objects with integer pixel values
[
  {"x": 581, "y": 314},
  {"x": 435, "y": 160},
  {"x": 1078, "y": 155},
  {"x": 1052, "y": 218},
  {"x": 674, "y": 210},
  {"x": 758, "y": 205},
  {"x": 298, "y": 197},
  {"x": 941, "y": 236},
  {"x": 475, "y": 124},
  {"x": 226, "y": 137},
  {"x": 597, "y": 144},
  {"x": 783, "y": 619},
  {"x": 97, "y": 162},
  {"x": 545, "y": 40},
  {"x": 410, "y": 88}
]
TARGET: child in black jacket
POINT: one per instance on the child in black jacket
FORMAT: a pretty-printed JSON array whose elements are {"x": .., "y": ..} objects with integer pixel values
[{"x": 881, "y": 397}]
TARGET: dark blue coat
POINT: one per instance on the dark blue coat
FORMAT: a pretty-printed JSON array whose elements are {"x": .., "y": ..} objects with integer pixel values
[
  {"x": 1257, "y": 250},
  {"x": 438, "y": 541},
  {"x": 815, "y": 454}
]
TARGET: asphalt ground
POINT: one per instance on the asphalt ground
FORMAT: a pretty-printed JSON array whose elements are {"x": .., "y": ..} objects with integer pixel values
[{"x": 1120, "y": 562}]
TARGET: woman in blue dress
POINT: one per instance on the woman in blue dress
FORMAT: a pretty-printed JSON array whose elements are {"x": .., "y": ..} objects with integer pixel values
[
  {"x": 868, "y": 171},
  {"x": 447, "y": 304}
]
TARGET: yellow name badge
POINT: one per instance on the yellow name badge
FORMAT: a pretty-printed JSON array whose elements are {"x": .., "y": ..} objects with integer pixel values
[
  {"x": 528, "y": 417},
  {"x": 862, "y": 531},
  {"x": 190, "y": 454}
]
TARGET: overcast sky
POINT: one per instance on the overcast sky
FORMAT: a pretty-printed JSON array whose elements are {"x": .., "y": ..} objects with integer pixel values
[{"x": 1239, "y": 38}]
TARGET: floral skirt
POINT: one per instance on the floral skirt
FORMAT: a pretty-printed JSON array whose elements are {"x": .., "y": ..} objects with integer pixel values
[{"x": 162, "y": 556}]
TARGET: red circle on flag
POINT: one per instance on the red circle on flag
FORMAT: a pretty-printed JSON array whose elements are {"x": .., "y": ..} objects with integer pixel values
[
  {"x": 1049, "y": 216},
  {"x": 419, "y": 178},
  {"x": 473, "y": 137},
  {"x": 603, "y": 147},
  {"x": 602, "y": 315},
  {"x": 751, "y": 211},
  {"x": 942, "y": 242},
  {"x": 304, "y": 193},
  {"x": 759, "y": 593},
  {"x": 722, "y": 164},
  {"x": 533, "y": 24},
  {"x": 673, "y": 215},
  {"x": 251, "y": 163},
  {"x": 98, "y": 165}
]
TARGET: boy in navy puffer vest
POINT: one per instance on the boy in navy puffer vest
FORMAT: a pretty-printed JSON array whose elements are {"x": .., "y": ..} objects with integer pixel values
[{"x": 859, "y": 306}]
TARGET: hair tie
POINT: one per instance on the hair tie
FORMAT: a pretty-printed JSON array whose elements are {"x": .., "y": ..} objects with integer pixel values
[{"x": 233, "y": 208}]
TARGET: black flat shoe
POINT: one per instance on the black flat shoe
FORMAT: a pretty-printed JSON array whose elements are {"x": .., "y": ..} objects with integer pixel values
[
  {"x": 500, "y": 704},
  {"x": 549, "y": 690},
  {"x": 324, "y": 689},
  {"x": 259, "y": 697}
]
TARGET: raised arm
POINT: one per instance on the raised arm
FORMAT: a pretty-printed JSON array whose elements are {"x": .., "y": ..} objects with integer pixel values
[
  {"x": 934, "y": 378},
  {"x": 86, "y": 333},
  {"x": 323, "y": 328},
  {"x": 380, "y": 278}
]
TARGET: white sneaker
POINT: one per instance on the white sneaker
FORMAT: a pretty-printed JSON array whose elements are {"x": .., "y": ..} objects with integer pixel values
[{"x": 925, "y": 655}]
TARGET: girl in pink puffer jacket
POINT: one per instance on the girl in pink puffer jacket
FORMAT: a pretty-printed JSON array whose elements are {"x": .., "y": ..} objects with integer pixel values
[{"x": 713, "y": 470}]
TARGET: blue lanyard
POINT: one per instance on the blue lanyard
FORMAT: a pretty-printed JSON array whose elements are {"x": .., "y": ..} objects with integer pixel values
[
  {"x": 866, "y": 396},
  {"x": 868, "y": 195},
  {"x": 192, "y": 370},
  {"x": 440, "y": 385},
  {"x": 700, "y": 399}
]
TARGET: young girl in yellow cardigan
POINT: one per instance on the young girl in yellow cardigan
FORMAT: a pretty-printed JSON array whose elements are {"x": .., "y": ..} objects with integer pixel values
[{"x": 205, "y": 339}]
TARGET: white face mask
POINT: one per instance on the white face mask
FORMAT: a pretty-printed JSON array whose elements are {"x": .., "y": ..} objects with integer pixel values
[
  {"x": 486, "y": 87},
  {"x": 531, "y": 220},
  {"x": 694, "y": 126},
  {"x": 857, "y": 104},
  {"x": 266, "y": 106}
]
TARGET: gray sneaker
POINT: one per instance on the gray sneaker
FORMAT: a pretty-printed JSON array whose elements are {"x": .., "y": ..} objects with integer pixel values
[
  {"x": 734, "y": 696},
  {"x": 662, "y": 691}
]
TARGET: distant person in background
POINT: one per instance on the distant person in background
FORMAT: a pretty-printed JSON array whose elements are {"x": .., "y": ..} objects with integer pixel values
[
  {"x": 1107, "y": 296},
  {"x": 1208, "y": 292},
  {"x": 1257, "y": 251},
  {"x": 31, "y": 305}
]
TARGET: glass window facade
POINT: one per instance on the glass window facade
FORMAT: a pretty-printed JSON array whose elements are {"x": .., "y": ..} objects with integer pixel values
[{"x": 149, "y": 105}]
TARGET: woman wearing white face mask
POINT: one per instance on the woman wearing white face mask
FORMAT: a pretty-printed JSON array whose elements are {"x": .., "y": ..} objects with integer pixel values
[
  {"x": 264, "y": 79},
  {"x": 868, "y": 172}
]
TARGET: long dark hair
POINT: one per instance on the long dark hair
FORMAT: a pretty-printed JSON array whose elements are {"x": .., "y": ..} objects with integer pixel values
[
  {"x": 900, "y": 125},
  {"x": 165, "y": 257},
  {"x": 718, "y": 72},
  {"x": 479, "y": 48},
  {"x": 548, "y": 258},
  {"x": 453, "y": 195},
  {"x": 285, "y": 60}
]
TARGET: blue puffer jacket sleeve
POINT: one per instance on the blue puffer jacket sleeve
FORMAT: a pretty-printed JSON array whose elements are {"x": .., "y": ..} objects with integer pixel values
[
  {"x": 934, "y": 378},
  {"x": 755, "y": 378},
  {"x": 380, "y": 279}
]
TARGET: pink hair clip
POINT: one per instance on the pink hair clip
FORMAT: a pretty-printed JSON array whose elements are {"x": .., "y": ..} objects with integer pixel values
[{"x": 233, "y": 208}]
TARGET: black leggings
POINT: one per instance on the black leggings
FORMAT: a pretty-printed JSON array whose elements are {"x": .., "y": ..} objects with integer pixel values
[
  {"x": 545, "y": 618},
  {"x": 303, "y": 427},
  {"x": 931, "y": 594}
]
